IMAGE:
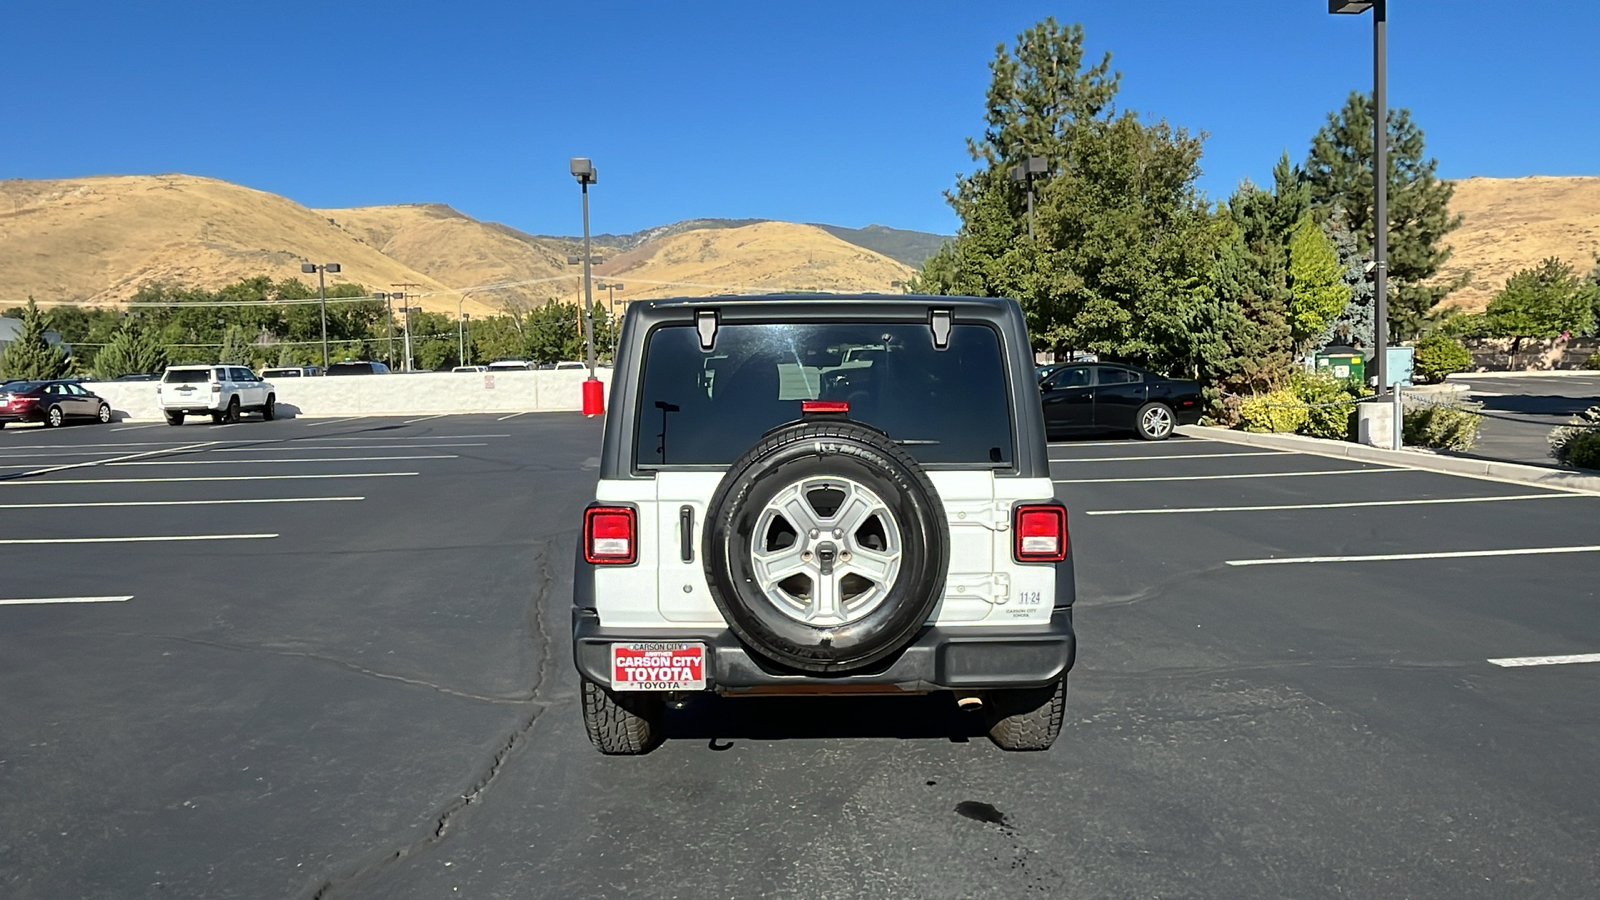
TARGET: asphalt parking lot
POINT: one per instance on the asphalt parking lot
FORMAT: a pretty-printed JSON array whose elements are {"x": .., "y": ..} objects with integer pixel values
[
  {"x": 351, "y": 679},
  {"x": 1521, "y": 412}
]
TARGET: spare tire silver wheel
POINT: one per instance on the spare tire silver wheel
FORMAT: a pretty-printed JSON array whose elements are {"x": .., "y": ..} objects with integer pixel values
[{"x": 825, "y": 547}]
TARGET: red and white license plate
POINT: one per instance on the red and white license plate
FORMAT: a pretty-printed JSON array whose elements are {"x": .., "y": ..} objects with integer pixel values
[{"x": 658, "y": 666}]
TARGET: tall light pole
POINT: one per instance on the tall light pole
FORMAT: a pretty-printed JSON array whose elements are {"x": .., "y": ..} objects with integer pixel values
[
  {"x": 611, "y": 288},
  {"x": 593, "y": 398},
  {"x": 322, "y": 292},
  {"x": 1026, "y": 171},
  {"x": 408, "y": 310},
  {"x": 1380, "y": 179},
  {"x": 462, "y": 354}
]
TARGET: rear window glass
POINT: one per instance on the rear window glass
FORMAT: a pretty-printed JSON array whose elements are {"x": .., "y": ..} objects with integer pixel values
[
  {"x": 282, "y": 373},
  {"x": 186, "y": 376},
  {"x": 947, "y": 406},
  {"x": 350, "y": 368}
]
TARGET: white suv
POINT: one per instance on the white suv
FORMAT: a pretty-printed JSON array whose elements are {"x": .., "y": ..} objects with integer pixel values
[
  {"x": 221, "y": 391},
  {"x": 824, "y": 495}
]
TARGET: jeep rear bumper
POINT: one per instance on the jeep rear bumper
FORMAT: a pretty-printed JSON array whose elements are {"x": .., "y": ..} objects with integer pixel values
[{"x": 940, "y": 657}]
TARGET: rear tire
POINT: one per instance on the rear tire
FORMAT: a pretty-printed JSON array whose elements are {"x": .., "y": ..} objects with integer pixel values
[
  {"x": 232, "y": 415},
  {"x": 173, "y": 418},
  {"x": 1154, "y": 422},
  {"x": 1027, "y": 718},
  {"x": 105, "y": 414},
  {"x": 627, "y": 724},
  {"x": 54, "y": 417},
  {"x": 270, "y": 411}
]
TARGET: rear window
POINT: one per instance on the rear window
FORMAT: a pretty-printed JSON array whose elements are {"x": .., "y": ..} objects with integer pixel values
[
  {"x": 946, "y": 406},
  {"x": 350, "y": 368},
  {"x": 282, "y": 373},
  {"x": 186, "y": 376}
]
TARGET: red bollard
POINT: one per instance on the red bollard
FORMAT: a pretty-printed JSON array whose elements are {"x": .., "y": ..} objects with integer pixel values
[{"x": 594, "y": 397}]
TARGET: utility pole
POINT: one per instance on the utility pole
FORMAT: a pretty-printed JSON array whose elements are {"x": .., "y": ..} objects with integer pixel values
[
  {"x": 405, "y": 291},
  {"x": 322, "y": 293}
]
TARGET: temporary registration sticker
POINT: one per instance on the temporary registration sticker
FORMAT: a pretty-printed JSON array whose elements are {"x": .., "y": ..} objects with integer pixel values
[{"x": 658, "y": 666}]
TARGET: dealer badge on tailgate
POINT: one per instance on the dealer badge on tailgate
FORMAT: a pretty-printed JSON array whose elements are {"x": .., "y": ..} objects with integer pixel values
[{"x": 658, "y": 666}]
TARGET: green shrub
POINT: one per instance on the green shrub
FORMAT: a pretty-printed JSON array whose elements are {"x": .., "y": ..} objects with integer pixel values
[
  {"x": 1331, "y": 400},
  {"x": 1278, "y": 411},
  {"x": 1438, "y": 355},
  {"x": 1579, "y": 439},
  {"x": 1583, "y": 452},
  {"x": 1593, "y": 362},
  {"x": 1443, "y": 427}
]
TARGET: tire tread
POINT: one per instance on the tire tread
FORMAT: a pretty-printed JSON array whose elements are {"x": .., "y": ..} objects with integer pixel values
[
  {"x": 1027, "y": 719},
  {"x": 620, "y": 726}
]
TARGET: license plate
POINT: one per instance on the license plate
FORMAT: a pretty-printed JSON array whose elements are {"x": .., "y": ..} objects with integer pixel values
[{"x": 658, "y": 666}]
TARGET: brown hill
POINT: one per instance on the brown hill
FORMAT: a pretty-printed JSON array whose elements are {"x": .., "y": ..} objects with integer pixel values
[
  {"x": 97, "y": 240},
  {"x": 761, "y": 258},
  {"x": 1513, "y": 223},
  {"x": 500, "y": 266}
]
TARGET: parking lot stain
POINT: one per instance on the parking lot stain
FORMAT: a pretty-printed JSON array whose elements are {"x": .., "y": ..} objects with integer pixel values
[{"x": 981, "y": 812}]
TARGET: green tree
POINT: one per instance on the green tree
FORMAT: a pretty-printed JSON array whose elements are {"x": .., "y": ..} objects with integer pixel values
[
  {"x": 1317, "y": 292},
  {"x": 31, "y": 355},
  {"x": 1339, "y": 172},
  {"x": 235, "y": 347},
  {"x": 1543, "y": 302},
  {"x": 1353, "y": 326},
  {"x": 132, "y": 350}
]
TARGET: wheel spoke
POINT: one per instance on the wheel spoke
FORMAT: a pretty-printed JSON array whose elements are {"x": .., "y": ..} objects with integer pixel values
[
  {"x": 825, "y": 601},
  {"x": 776, "y": 565},
  {"x": 800, "y": 514},
  {"x": 854, "y": 511},
  {"x": 874, "y": 565}
]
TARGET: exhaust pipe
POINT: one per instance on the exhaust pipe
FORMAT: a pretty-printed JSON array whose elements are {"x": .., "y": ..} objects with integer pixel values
[{"x": 969, "y": 702}]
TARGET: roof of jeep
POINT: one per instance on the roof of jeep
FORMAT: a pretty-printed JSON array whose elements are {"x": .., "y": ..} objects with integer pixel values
[{"x": 825, "y": 300}]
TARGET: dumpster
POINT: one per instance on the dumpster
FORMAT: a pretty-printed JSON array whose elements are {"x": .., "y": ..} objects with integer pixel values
[{"x": 1341, "y": 362}]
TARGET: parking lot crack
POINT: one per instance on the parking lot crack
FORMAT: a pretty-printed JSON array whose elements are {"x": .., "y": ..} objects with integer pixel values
[{"x": 539, "y": 635}]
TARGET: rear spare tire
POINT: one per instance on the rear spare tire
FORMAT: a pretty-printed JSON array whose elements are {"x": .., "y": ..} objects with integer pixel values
[{"x": 825, "y": 546}]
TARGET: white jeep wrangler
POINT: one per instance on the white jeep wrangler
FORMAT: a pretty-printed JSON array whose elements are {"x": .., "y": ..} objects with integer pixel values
[{"x": 824, "y": 495}]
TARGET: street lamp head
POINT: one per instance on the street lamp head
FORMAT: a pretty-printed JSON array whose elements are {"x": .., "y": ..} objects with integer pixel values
[
  {"x": 308, "y": 268},
  {"x": 380, "y": 295},
  {"x": 1349, "y": 7},
  {"x": 583, "y": 170},
  {"x": 331, "y": 267}
]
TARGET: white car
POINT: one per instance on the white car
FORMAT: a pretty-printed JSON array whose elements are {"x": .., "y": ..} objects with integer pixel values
[
  {"x": 221, "y": 391},
  {"x": 470, "y": 369},
  {"x": 808, "y": 523}
]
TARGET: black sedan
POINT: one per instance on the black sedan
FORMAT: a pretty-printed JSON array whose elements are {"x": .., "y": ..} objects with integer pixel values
[
  {"x": 50, "y": 402},
  {"x": 1084, "y": 397}
]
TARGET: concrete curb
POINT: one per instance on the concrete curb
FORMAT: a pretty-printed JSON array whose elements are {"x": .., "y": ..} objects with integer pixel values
[
  {"x": 1427, "y": 460},
  {"x": 1537, "y": 373}
]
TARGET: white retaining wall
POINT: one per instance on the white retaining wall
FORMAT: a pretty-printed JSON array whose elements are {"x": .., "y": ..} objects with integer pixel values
[{"x": 377, "y": 395}]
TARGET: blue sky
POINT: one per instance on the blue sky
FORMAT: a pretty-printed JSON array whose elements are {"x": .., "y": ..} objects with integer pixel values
[{"x": 847, "y": 113}]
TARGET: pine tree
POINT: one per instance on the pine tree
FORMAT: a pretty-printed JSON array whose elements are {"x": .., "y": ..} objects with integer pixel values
[
  {"x": 1317, "y": 292},
  {"x": 235, "y": 347},
  {"x": 1354, "y": 325},
  {"x": 1339, "y": 172},
  {"x": 31, "y": 356},
  {"x": 132, "y": 350}
]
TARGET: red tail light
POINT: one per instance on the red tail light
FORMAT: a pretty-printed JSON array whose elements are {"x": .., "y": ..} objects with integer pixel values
[
  {"x": 824, "y": 406},
  {"x": 610, "y": 535},
  {"x": 1041, "y": 533}
]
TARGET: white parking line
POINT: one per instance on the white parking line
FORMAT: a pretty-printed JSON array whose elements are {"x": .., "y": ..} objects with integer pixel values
[
  {"x": 204, "y": 478},
  {"x": 103, "y": 503},
  {"x": 114, "y": 459},
  {"x": 297, "y": 447},
  {"x": 1385, "y": 557},
  {"x": 334, "y": 421},
  {"x": 422, "y": 419},
  {"x": 402, "y": 437},
  {"x": 512, "y": 416},
  {"x": 33, "y": 600},
  {"x": 159, "y": 443},
  {"x": 1569, "y": 659},
  {"x": 1150, "y": 444},
  {"x": 1224, "y": 477},
  {"x": 137, "y": 427},
  {"x": 1094, "y": 459},
  {"x": 138, "y": 540},
  {"x": 1348, "y": 505},
  {"x": 241, "y": 462}
]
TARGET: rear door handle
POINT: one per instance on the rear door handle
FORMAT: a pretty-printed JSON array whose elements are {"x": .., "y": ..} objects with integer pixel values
[{"x": 686, "y": 533}]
